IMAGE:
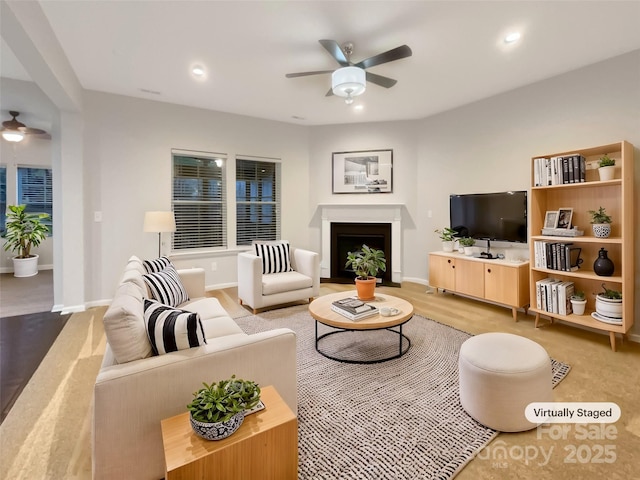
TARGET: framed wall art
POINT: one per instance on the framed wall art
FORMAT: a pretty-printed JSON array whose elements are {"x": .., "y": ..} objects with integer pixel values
[{"x": 367, "y": 171}]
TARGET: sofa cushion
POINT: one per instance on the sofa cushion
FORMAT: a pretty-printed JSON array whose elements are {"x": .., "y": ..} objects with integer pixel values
[
  {"x": 166, "y": 287},
  {"x": 157, "y": 265},
  {"x": 171, "y": 329},
  {"x": 275, "y": 256},
  {"x": 284, "y": 282},
  {"x": 124, "y": 325}
]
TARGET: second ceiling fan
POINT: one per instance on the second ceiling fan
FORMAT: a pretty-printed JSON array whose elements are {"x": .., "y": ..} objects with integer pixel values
[{"x": 350, "y": 79}]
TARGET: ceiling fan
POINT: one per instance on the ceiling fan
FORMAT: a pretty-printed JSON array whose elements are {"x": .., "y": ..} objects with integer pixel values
[
  {"x": 350, "y": 79},
  {"x": 14, "y": 130}
]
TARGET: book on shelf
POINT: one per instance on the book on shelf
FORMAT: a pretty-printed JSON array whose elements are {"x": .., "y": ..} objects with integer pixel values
[
  {"x": 559, "y": 170},
  {"x": 556, "y": 256},
  {"x": 353, "y": 308},
  {"x": 554, "y": 296}
]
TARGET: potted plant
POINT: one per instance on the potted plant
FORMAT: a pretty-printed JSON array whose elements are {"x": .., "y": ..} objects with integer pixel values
[
  {"x": 447, "y": 237},
  {"x": 24, "y": 231},
  {"x": 609, "y": 304},
  {"x": 601, "y": 223},
  {"x": 467, "y": 243},
  {"x": 606, "y": 167},
  {"x": 578, "y": 302},
  {"x": 217, "y": 410},
  {"x": 366, "y": 264}
]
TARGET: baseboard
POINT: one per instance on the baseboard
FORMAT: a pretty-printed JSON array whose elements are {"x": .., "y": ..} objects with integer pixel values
[
  {"x": 420, "y": 281},
  {"x": 66, "y": 310},
  {"x": 220, "y": 286}
]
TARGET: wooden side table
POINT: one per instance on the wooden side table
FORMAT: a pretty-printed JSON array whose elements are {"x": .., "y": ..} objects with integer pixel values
[{"x": 265, "y": 447}]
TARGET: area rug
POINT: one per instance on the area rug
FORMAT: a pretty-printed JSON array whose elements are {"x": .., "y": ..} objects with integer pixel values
[{"x": 400, "y": 419}]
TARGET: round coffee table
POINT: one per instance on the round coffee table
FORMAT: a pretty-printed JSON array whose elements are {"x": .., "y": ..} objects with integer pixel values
[{"x": 320, "y": 310}]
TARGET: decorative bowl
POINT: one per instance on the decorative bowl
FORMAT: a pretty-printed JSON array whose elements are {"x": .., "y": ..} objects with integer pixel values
[{"x": 217, "y": 430}]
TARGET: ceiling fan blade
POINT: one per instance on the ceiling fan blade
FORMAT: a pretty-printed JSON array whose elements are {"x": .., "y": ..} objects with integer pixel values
[
  {"x": 385, "y": 82},
  {"x": 336, "y": 52},
  {"x": 13, "y": 124},
  {"x": 304, "y": 74},
  {"x": 31, "y": 131},
  {"x": 389, "y": 56},
  {"x": 329, "y": 93}
]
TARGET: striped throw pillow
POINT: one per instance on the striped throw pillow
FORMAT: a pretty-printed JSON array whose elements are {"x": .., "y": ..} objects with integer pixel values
[
  {"x": 170, "y": 330},
  {"x": 157, "y": 265},
  {"x": 275, "y": 256},
  {"x": 166, "y": 287}
]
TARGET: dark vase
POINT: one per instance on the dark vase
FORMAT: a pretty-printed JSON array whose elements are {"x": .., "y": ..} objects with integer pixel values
[{"x": 603, "y": 265}]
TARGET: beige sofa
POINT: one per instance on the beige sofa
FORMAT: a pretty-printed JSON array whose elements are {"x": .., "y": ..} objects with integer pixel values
[{"x": 131, "y": 398}]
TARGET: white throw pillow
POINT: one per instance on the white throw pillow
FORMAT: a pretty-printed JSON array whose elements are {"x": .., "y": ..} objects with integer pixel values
[
  {"x": 170, "y": 329},
  {"x": 124, "y": 325},
  {"x": 275, "y": 256},
  {"x": 166, "y": 287}
]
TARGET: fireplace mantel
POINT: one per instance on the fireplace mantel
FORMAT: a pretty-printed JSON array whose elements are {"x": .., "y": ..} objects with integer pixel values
[{"x": 362, "y": 213}]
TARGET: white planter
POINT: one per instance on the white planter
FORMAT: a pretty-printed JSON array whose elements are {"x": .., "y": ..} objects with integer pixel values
[
  {"x": 607, "y": 173},
  {"x": 25, "y": 267},
  {"x": 447, "y": 246},
  {"x": 577, "y": 306},
  {"x": 601, "y": 230},
  {"x": 608, "y": 308},
  {"x": 468, "y": 251}
]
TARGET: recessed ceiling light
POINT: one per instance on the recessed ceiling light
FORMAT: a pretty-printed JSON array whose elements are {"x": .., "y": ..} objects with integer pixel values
[
  {"x": 512, "y": 37},
  {"x": 198, "y": 70}
]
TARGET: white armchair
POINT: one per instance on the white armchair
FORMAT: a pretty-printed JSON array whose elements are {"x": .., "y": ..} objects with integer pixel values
[{"x": 259, "y": 290}]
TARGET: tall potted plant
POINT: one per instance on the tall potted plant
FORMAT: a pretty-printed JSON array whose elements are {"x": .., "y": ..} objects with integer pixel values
[
  {"x": 366, "y": 264},
  {"x": 24, "y": 231}
]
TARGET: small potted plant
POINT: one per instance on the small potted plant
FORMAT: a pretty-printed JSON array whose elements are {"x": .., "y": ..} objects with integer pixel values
[
  {"x": 24, "y": 231},
  {"x": 601, "y": 223},
  {"x": 606, "y": 167},
  {"x": 217, "y": 410},
  {"x": 366, "y": 264},
  {"x": 609, "y": 304},
  {"x": 467, "y": 243},
  {"x": 447, "y": 236},
  {"x": 578, "y": 302}
]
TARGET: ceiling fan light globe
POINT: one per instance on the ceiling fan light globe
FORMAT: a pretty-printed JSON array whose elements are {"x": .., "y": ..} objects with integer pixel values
[
  {"x": 348, "y": 82},
  {"x": 12, "y": 136}
]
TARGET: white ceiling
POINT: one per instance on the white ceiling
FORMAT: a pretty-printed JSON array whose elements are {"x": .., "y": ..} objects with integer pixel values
[{"x": 125, "y": 47}]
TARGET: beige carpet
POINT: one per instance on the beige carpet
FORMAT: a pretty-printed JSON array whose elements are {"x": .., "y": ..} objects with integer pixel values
[{"x": 14, "y": 299}]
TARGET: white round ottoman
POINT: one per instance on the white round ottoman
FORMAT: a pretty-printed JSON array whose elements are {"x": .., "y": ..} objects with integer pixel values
[{"x": 500, "y": 374}]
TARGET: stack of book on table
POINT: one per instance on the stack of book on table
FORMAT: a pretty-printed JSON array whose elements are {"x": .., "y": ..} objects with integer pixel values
[{"x": 353, "y": 309}]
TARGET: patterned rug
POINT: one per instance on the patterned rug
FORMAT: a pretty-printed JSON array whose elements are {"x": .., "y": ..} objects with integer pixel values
[{"x": 400, "y": 419}]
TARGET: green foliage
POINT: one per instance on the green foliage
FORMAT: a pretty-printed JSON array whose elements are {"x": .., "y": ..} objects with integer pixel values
[
  {"x": 446, "y": 234},
  {"x": 219, "y": 402},
  {"x": 578, "y": 295},
  {"x": 605, "y": 161},
  {"x": 467, "y": 241},
  {"x": 24, "y": 230},
  {"x": 367, "y": 262},
  {"x": 610, "y": 294},
  {"x": 599, "y": 216}
]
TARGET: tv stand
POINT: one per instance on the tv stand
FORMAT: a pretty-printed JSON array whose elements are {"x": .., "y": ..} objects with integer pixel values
[{"x": 494, "y": 280}]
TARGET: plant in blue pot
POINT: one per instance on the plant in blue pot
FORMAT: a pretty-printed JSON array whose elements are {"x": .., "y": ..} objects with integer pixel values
[{"x": 217, "y": 410}]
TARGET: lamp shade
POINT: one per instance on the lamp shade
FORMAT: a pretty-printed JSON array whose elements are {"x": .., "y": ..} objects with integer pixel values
[
  {"x": 348, "y": 81},
  {"x": 159, "y": 222}
]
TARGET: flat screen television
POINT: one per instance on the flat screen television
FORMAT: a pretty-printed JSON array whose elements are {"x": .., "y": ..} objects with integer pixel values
[{"x": 498, "y": 216}]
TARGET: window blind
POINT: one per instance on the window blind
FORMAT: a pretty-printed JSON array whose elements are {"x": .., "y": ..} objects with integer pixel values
[
  {"x": 257, "y": 200},
  {"x": 35, "y": 190},
  {"x": 199, "y": 201}
]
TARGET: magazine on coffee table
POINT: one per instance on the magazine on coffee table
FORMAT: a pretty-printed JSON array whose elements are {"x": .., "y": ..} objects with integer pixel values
[{"x": 353, "y": 308}]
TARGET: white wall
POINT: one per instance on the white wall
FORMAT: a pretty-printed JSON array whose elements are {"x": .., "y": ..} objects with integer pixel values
[{"x": 127, "y": 152}]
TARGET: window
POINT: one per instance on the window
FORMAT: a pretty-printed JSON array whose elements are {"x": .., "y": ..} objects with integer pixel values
[
  {"x": 3, "y": 200},
  {"x": 257, "y": 200},
  {"x": 35, "y": 189},
  {"x": 199, "y": 201}
]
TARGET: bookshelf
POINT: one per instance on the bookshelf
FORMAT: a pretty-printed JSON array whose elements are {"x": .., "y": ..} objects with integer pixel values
[{"x": 616, "y": 196}]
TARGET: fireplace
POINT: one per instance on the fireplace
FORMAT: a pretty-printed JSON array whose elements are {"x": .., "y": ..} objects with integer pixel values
[
  {"x": 349, "y": 237},
  {"x": 362, "y": 215}
]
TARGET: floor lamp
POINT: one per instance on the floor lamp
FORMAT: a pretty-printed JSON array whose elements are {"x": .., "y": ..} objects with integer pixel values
[{"x": 159, "y": 222}]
